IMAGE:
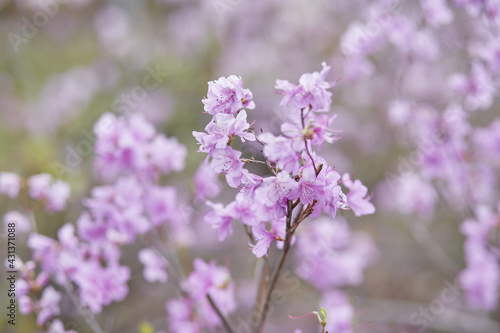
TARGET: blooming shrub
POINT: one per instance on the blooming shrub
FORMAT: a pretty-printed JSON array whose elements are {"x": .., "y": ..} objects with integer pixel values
[{"x": 360, "y": 197}]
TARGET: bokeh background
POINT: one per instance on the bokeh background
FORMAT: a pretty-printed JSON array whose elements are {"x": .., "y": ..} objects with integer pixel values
[{"x": 59, "y": 72}]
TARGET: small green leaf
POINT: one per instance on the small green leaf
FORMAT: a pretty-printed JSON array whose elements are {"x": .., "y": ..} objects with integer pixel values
[
  {"x": 145, "y": 327},
  {"x": 323, "y": 313}
]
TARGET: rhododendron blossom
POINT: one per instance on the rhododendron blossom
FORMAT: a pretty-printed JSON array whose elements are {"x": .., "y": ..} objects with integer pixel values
[{"x": 250, "y": 167}]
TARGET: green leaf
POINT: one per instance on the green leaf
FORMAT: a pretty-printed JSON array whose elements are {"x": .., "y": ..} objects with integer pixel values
[{"x": 323, "y": 313}]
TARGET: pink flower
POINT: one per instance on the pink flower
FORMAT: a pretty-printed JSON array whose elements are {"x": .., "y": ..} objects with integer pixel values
[
  {"x": 44, "y": 251},
  {"x": 9, "y": 184},
  {"x": 333, "y": 198},
  {"x": 161, "y": 204},
  {"x": 264, "y": 240},
  {"x": 228, "y": 161},
  {"x": 243, "y": 209},
  {"x": 324, "y": 246},
  {"x": 356, "y": 198},
  {"x": 480, "y": 280},
  {"x": 481, "y": 277},
  {"x": 180, "y": 316},
  {"x": 219, "y": 218},
  {"x": 99, "y": 286},
  {"x": 56, "y": 326},
  {"x": 437, "y": 12},
  {"x": 224, "y": 126},
  {"x": 22, "y": 223},
  {"x": 206, "y": 183},
  {"x": 130, "y": 145},
  {"x": 25, "y": 305},
  {"x": 281, "y": 187},
  {"x": 226, "y": 95},
  {"x": 280, "y": 150},
  {"x": 39, "y": 185},
  {"x": 309, "y": 186},
  {"x": 154, "y": 266},
  {"x": 311, "y": 91},
  {"x": 57, "y": 196},
  {"x": 477, "y": 88},
  {"x": 249, "y": 182},
  {"x": 321, "y": 130},
  {"x": 167, "y": 154},
  {"x": 209, "y": 279},
  {"x": 49, "y": 305}
]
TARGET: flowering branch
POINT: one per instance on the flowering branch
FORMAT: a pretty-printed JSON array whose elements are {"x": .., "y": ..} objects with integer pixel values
[{"x": 299, "y": 175}]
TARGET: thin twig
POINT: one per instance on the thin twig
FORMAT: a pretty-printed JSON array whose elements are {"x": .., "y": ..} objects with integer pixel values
[
  {"x": 277, "y": 271},
  {"x": 225, "y": 321},
  {"x": 252, "y": 160},
  {"x": 249, "y": 233},
  {"x": 263, "y": 278},
  {"x": 305, "y": 142}
]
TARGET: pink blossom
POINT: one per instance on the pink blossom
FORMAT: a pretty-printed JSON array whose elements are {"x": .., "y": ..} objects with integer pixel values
[
  {"x": 209, "y": 279},
  {"x": 206, "y": 183},
  {"x": 99, "y": 286},
  {"x": 244, "y": 210},
  {"x": 49, "y": 305},
  {"x": 180, "y": 316},
  {"x": 167, "y": 154},
  {"x": 56, "y": 326},
  {"x": 481, "y": 277},
  {"x": 356, "y": 198},
  {"x": 280, "y": 150},
  {"x": 228, "y": 161},
  {"x": 325, "y": 245},
  {"x": 437, "y": 12},
  {"x": 224, "y": 126},
  {"x": 58, "y": 196},
  {"x": 21, "y": 221},
  {"x": 309, "y": 186},
  {"x": 264, "y": 240},
  {"x": 311, "y": 91},
  {"x": 477, "y": 88},
  {"x": 39, "y": 185},
  {"x": 281, "y": 187},
  {"x": 226, "y": 95},
  {"x": 220, "y": 218},
  {"x": 161, "y": 204},
  {"x": 130, "y": 145},
  {"x": 9, "y": 184},
  {"x": 333, "y": 198},
  {"x": 154, "y": 266}
]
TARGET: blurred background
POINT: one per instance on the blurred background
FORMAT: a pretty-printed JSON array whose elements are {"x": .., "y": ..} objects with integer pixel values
[{"x": 64, "y": 63}]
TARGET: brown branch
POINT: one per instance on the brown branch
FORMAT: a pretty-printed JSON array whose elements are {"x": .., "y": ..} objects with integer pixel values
[
  {"x": 277, "y": 270},
  {"x": 225, "y": 321}
]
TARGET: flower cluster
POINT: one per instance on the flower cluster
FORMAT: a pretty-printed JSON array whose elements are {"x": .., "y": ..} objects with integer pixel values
[
  {"x": 481, "y": 277},
  {"x": 441, "y": 118},
  {"x": 301, "y": 184},
  {"x": 54, "y": 194},
  {"x": 47, "y": 305},
  {"x": 85, "y": 261},
  {"x": 130, "y": 145},
  {"x": 299, "y": 175}
]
